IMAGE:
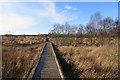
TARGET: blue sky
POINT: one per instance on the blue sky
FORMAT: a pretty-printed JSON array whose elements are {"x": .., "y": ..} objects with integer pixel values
[
  {"x": 83, "y": 10},
  {"x": 39, "y": 17}
]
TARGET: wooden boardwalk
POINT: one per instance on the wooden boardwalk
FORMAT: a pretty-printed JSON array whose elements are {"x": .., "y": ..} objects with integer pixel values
[{"x": 47, "y": 66}]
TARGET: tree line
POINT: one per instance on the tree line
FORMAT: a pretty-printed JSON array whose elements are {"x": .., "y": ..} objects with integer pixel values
[{"x": 95, "y": 27}]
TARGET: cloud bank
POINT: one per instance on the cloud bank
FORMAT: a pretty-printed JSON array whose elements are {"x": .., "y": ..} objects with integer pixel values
[{"x": 19, "y": 18}]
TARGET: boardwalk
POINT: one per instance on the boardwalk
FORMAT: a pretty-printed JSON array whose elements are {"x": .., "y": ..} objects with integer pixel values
[{"x": 48, "y": 66}]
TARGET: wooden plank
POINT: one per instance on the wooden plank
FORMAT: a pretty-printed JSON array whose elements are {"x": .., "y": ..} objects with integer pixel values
[{"x": 48, "y": 66}]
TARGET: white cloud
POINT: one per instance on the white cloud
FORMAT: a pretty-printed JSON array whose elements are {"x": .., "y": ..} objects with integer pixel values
[
  {"x": 12, "y": 21},
  {"x": 51, "y": 13},
  {"x": 68, "y": 7},
  {"x": 15, "y": 22}
]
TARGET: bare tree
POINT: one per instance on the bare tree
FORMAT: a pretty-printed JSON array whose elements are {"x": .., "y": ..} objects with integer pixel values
[
  {"x": 73, "y": 29},
  {"x": 93, "y": 24},
  {"x": 90, "y": 29},
  {"x": 95, "y": 19},
  {"x": 80, "y": 30},
  {"x": 106, "y": 24},
  {"x": 66, "y": 28},
  {"x": 117, "y": 22},
  {"x": 61, "y": 29},
  {"x": 58, "y": 29},
  {"x": 113, "y": 30}
]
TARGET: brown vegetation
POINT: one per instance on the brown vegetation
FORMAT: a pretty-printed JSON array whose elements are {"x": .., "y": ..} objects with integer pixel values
[
  {"x": 19, "y": 55},
  {"x": 90, "y": 60}
]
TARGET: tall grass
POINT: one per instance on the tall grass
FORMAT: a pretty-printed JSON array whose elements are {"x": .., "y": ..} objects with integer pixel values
[
  {"x": 90, "y": 60},
  {"x": 19, "y": 55}
]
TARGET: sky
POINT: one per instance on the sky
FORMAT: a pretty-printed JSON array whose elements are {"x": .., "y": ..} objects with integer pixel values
[{"x": 39, "y": 17}]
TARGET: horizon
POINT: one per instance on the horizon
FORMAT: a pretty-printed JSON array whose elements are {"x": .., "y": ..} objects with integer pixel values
[{"x": 31, "y": 18}]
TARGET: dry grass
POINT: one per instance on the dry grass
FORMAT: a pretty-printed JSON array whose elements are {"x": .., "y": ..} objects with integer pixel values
[
  {"x": 20, "y": 54},
  {"x": 93, "y": 61}
]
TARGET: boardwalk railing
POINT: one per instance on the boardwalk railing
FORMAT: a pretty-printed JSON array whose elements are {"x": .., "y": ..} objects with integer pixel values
[
  {"x": 59, "y": 68},
  {"x": 48, "y": 66},
  {"x": 41, "y": 56}
]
